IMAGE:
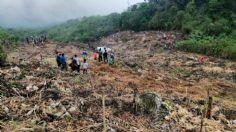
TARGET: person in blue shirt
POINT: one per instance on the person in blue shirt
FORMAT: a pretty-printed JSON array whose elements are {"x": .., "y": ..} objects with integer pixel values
[
  {"x": 63, "y": 62},
  {"x": 84, "y": 54}
]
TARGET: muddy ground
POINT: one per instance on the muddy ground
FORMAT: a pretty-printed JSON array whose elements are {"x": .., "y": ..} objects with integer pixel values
[{"x": 149, "y": 88}]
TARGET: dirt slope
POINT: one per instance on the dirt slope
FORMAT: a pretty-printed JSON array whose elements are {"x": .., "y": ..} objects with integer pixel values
[{"x": 41, "y": 97}]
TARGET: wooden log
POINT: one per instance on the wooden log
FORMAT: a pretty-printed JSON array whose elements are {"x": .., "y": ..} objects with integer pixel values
[{"x": 209, "y": 107}]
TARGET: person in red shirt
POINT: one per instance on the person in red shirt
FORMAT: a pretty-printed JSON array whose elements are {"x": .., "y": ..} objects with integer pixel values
[
  {"x": 95, "y": 55},
  {"x": 201, "y": 59}
]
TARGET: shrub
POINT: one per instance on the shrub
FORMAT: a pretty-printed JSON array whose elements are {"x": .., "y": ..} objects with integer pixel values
[
  {"x": 224, "y": 47},
  {"x": 3, "y": 56}
]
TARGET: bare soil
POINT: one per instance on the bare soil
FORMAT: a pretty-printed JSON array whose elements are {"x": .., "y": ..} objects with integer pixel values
[{"x": 37, "y": 96}]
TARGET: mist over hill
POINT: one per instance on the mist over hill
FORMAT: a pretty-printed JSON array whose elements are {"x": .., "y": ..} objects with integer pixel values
[{"x": 40, "y": 13}]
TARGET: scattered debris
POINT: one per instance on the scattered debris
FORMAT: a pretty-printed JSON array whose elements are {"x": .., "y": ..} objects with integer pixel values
[{"x": 144, "y": 91}]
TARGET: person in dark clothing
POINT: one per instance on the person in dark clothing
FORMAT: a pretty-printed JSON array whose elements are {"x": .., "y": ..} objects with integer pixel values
[
  {"x": 35, "y": 42},
  {"x": 45, "y": 38},
  {"x": 63, "y": 62},
  {"x": 73, "y": 64},
  {"x": 39, "y": 40},
  {"x": 27, "y": 40},
  {"x": 58, "y": 60},
  {"x": 100, "y": 55},
  {"x": 105, "y": 56}
]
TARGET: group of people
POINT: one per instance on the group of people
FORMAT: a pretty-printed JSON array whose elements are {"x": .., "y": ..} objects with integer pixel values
[
  {"x": 75, "y": 62},
  {"x": 36, "y": 40},
  {"x": 101, "y": 55},
  {"x": 104, "y": 55}
]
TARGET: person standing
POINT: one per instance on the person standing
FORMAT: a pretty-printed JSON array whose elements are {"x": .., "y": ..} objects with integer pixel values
[
  {"x": 58, "y": 58},
  {"x": 27, "y": 40},
  {"x": 111, "y": 60},
  {"x": 84, "y": 54},
  {"x": 76, "y": 58},
  {"x": 95, "y": 55},
  {"x": 100, "y": 55},
  {"x": 105, "y": 54},
  {"x": 63, "y": 62},
  {"x": 73, "y": 64},
  {"x": 35, "y": 42},
  {"x": 85, "y": 67}
]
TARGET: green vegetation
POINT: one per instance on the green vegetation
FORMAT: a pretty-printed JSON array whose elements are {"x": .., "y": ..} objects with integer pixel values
[
  {"x": 221, "y": 46},
  {"x": 86, "y": 29},
  {"x": 211, "y": 24},
  {"x": 3, "y": 56},
  {"x": 6, "y": 40}
]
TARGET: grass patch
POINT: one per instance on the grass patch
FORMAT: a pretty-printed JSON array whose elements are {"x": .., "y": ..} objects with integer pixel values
[
  {"x": 228, "y": 102},
  {"x": 181, "y": 71},
  {"x": 224, "y": 47}
]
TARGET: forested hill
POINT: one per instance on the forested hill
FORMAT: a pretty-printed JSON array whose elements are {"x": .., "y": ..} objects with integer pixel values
[
  {"x": 204, "y": 17},
  {"x": 210, "y": 24}
]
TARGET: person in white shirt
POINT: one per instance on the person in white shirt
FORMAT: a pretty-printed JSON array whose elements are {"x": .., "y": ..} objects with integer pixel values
[
  {"x": 85, "y": 67},
  {"x": 76, "y": 58}
]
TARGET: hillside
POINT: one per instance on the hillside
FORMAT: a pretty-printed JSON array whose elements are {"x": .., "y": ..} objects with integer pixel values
[
  {"x": 148, "y": 89},
  {"x": 209, "y": 25},
  {"x": 208, "y": 32}
]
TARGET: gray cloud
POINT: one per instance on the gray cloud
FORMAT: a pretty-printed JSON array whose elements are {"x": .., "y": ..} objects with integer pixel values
[{"x": 36, "y": 13}]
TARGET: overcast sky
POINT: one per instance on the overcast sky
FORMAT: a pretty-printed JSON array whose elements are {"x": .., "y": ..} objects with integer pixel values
[{"x": 37, "y": 13}]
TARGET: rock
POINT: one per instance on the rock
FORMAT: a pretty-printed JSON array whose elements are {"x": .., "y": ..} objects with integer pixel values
[
  {"x": 35, "y": 88},
  {"x": 52, "y": 93},
  {"x": 57, "y": 110},
  {"x": 234, "y": 122},
  {"x": 6, "y": 109},
  {"x": 140, "y": 70},
  {"x": 149, "y": 102},
  {"x": 31, "y": 88},
  {"x": 15, "y": 69},
  {"x": 72, "y": 109},
  {"x": 167, "y": 118}
]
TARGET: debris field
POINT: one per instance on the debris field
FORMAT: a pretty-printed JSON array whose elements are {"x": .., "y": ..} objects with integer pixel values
[{"x": 150, "y": 88}]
